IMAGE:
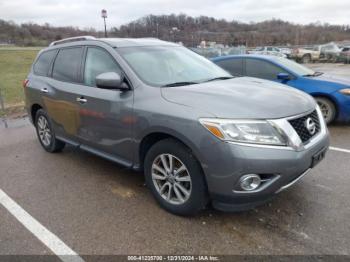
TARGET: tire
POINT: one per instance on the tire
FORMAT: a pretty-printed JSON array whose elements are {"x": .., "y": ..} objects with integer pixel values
[
  {"x": 331, "y": 58},
  {"x": 197, "y": 197},
  {"x": 46, "y": 133},
  {"x": 306, "y": 59},
  {"x": 328, "y": 109}
]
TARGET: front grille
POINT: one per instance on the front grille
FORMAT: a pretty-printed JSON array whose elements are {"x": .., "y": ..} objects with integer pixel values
[{"x": 299, "y": 124}]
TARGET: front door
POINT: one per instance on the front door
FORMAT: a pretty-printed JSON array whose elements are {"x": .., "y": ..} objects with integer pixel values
[{"x": 105, "y": 115}]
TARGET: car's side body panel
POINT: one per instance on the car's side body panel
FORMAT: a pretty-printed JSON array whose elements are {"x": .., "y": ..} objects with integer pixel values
[{"x": 325, "y": 86}]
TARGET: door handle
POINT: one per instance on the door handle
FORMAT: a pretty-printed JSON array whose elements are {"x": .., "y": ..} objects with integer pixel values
[
  {"x": 81, "y": 100},
  {"x": 44, "y": 90}
]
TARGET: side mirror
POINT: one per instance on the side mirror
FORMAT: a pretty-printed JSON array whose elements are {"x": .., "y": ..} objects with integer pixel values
[
  {"x": 283, "y": 76},
  {"x": 110, "y": 80}
]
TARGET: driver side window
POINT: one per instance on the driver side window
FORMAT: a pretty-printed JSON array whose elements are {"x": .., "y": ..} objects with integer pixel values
[
  {"x": 262, "y": 69},
  {"x": 97, "y": 62}
]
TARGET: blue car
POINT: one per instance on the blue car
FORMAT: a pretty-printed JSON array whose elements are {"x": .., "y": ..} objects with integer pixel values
[{"x": 331, "y": 93}]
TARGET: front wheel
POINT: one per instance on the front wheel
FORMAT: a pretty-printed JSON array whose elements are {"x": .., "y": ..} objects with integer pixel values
[
  {"x": 46, "y": 134},
  {"x": 327, "y": 108},
  {"x": 175, "y": 178}
]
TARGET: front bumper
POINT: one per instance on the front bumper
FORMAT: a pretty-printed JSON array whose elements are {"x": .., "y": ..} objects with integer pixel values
[
  {"x": 343, "y": 104},
  {"x": 281, "y": 165}
]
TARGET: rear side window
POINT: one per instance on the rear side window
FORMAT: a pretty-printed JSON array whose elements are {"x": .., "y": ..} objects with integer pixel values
[
  {"x": 97, "y": 62},
  {"x": 262, "y": 69},
  {"x": 67, "y": 64},
  {"x": 41, "y": 67},
  {"x": 233, "y": 66}
]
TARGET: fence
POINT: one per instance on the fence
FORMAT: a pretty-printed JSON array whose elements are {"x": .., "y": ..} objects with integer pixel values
[{"x": 211, "y": 52}]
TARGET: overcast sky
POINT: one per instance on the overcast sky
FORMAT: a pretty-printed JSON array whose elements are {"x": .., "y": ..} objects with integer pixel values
[{"x": 84, "y": 13}]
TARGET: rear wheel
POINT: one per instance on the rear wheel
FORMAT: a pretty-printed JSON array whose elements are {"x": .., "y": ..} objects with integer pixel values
[
  {"x": 175, "y": 178},
  {"x": 46, "y": 134},
  {"x": 327, "y": 108}
]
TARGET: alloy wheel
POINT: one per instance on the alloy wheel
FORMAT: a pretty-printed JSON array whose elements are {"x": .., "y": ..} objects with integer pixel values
[
  {"x": 171, "y": 179},
  {"x": 326, "y": 110},
  {"x": 44, "y": 131}
]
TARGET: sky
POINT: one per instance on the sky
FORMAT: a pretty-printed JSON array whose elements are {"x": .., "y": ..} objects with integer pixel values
[{"x": 85, "y": 13}]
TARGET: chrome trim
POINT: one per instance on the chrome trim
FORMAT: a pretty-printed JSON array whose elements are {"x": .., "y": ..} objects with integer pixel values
[
  {"x": 293, "y": 138},
  {"x": 259, "y": 189},
  {"x": 293, "y": 182},
  {"x": 323, "y": 132},
  {"x": 261, "y": 145},
  {"x": 72, "y": 39}
]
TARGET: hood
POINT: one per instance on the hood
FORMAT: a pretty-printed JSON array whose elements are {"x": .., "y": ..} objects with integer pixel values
[
  {"x": 242, "y": 97},
  {"x": 342, "y": 81}
]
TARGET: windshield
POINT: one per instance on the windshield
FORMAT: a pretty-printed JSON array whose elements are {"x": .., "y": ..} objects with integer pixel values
[
  {"x": 295, "y": 67},
  {"x": 166, "y": 65}
]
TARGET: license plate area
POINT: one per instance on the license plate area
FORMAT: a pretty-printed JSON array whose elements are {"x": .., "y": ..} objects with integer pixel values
[{"x": 318, "y": 157}]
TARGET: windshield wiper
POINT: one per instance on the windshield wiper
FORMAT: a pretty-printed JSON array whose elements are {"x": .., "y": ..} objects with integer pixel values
[
  {"x": 314, "y": 74},
  {"x": 180, "y": 84},
  {"x": 218, "y": 78}
]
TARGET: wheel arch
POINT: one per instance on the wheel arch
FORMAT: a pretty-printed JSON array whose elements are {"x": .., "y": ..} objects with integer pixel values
[
  {"x": 329, "y": 97},
  {"x": 156, "y": 135},
  {"x": 33, "y": 110}
]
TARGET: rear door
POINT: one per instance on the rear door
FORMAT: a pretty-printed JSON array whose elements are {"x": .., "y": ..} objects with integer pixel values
[
  {"x": 64, "y": 87},
  {"x": 38, "y": 86},
  {"x": 106, "y": 116}
]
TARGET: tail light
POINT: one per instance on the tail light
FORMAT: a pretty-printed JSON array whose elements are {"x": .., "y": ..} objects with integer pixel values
[{"x": 25, "y": 83}]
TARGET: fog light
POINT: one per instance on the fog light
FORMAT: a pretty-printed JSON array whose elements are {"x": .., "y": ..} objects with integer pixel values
[{"x": 250, "y": 182}]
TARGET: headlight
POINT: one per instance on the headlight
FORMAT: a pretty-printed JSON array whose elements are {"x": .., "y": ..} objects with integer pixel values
[
  {"x": 245, "y": 131},
  {"x": 345, "y": 91}
]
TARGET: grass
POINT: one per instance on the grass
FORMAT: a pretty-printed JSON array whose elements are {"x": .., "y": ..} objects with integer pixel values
[{"x": 15, "y": 64}]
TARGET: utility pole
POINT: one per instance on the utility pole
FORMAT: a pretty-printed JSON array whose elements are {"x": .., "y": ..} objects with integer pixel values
[{"x": 104, "y": 16}]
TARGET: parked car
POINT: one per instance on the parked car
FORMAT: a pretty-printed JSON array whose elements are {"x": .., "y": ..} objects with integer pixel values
[
  {"x": 329, "y": 52},
  {"x": 267, "y": 50},
  {"x": 287, "y": 51},
  {"x": 326, "y": 53},
  {"x": 344, "y": 55},
  {"x": 197, "y": 133},
  {"x": 306, "y": 55},
  {"x": 331, "y": 93}
]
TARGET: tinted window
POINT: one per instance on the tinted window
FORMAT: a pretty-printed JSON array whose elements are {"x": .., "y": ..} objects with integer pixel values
[
  {"x": 233, "y": 66},
  {"x": 67, "y": 64},
  {"x": 262, "y": 69},
  {"x": 97, "y": 62},
  {"x": 42, "y": 65},
  {"x": 293, "y": 66}
]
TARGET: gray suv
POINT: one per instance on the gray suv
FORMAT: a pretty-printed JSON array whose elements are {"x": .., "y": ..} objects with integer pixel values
[{"x": 199, "y": 135}]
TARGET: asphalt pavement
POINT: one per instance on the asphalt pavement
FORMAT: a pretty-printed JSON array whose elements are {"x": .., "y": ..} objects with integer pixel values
[{"x": 97, "y": 207}]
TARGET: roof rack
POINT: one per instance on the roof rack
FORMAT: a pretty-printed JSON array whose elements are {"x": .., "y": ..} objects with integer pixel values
[{"x": 72, "y": 39}]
